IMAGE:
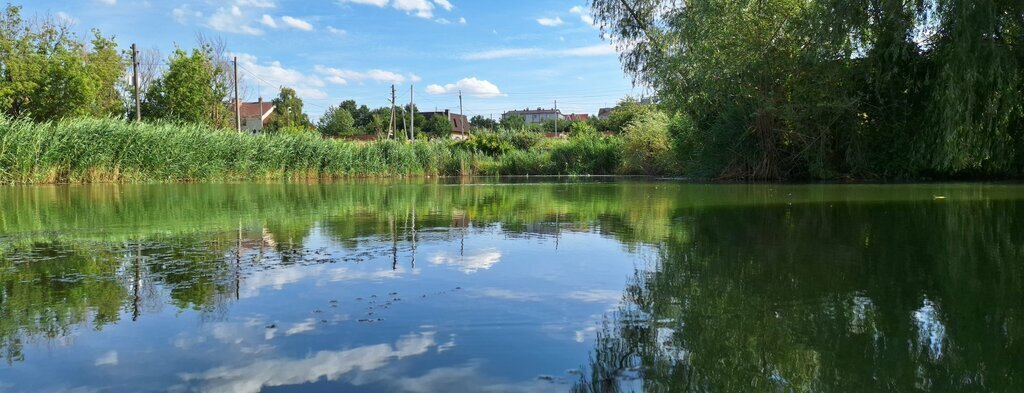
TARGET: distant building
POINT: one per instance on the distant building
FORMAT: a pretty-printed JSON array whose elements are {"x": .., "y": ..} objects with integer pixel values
[
  {"x": 460, "y": 123},
  {"x": 255, "y": 115},
  {"x": 577, "y": 117},
  {"x": 603, "y": 113},
  {"x": 533, "y": 116}
]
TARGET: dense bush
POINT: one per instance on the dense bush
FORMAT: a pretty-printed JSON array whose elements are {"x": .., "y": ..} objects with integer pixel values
[
  {"x": 501, "y": 142},
  {"x": 589, "y": 155},
  {"x": 647, "y": 147}
]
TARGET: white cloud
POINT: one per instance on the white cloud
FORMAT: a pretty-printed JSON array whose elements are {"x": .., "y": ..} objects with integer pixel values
[
  {"x": 107, "y": 2},
  {"x": 420, "y": 8},
  {"x": 444, "y": 4},
  {"x": 297, "y": 23},
  {"x": 462, "y": 21},
  {"x": 589, "y": 51},
  {"x": 505, "y": 294},
  {"x": 307, "y": 86},
  {"x": 302, "y": 327},
  {"x": 108, "y": 359},
  {"x": 550, "y": 22},
  {"x": 597, "y": 296},
  {"x": 501, "y": 53},
  {"x": 584, "y": 51},
  {"x": 231, "y": 20},
  {"x": 324, "y": 365},
  {"x": 584, "y": 14},
  {"x": 343, "y": 76},
  {"x": 375, "y": 3},
  {"x": 184, "y": 13},
  {"x": 336, "y": 31},
  {"x": 414, "y": 77},
  {"x": 64, "y": 17},
  {"x": 268, "y": 21},
  {"x": 255, "y": 3},
  {"x": 443, "y": 21},
  {"x": 483, "y": 259}
]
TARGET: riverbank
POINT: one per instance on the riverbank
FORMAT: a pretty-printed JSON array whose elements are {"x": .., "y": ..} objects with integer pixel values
[{"x": 114, "y": 151}]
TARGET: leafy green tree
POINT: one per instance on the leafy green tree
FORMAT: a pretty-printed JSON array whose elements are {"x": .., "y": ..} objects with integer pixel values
[
  {"x": 337, "y": 121},
  {"x": 288, "y": 112},
  {"x": 482, "y": 123},
  {"x": 647, "y": 146},
  {"x": 438, "y": 126},
  {"x": 627, "y": 111},
  {"x": 823, "y": 88},
  {"x": 513, "y": 122},
  {"x": 189, "y": 91},
  {"x": 49, "y": 73},
  {"x": 581, "y": 129}
]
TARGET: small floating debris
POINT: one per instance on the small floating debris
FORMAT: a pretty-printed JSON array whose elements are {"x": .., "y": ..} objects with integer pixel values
[
  {"x": 393, "y": 293},
  {"x": 272, "y": 326},
  {"x": 547, "y": 378},
  {"x": 938, "y": 197}
]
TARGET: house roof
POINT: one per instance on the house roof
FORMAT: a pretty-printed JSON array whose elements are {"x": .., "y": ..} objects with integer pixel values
[
  {"x": 533, "y": 111},
  {"x": 252, "y": 109}
]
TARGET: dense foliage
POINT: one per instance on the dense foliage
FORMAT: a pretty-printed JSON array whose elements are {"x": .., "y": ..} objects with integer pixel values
[
  {"x": 48, "y": 72},
  {"x": 192, "y": 90},
  {"x": 827, "y": 88},
  {"x": 288, "y": 114}
]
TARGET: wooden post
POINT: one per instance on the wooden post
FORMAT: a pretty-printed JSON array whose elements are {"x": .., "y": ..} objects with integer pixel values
[
  {"x": 556, "y": 118},
  {"x": 461, "y": 115},
  {"x": 391, "y": 124},
  {"x": 135, "y": 82},
  {"x": 412, "y": 113},
  {"x": 238, "y": 105}
]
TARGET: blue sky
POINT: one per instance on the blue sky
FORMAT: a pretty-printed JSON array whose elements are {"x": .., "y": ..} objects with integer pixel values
[{"x": 503, "y": 55}]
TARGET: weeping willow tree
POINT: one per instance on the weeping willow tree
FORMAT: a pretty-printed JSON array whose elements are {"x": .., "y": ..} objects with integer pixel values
[{"x": 829, "y": 88}]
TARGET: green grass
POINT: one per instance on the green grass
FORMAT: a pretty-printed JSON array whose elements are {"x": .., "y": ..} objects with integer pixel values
[{"x": 115, "y": 151}]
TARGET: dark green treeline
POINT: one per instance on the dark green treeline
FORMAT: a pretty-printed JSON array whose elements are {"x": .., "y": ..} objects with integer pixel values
[{"x": 774, "y": 89}]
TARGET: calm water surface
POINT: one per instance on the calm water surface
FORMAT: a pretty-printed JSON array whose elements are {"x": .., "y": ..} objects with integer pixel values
[{"x": 593, "y": 286}]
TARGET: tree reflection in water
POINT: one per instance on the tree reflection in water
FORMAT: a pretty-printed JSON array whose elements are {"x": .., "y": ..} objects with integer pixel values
[{"x": 903, "y": 296}]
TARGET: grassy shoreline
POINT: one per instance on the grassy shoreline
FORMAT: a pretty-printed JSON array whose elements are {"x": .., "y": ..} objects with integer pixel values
[{"x": 113, "y": 151}]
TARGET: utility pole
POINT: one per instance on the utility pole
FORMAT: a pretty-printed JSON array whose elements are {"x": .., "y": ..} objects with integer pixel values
[
  {"x": 135, "y": 82},
  {"x": 238, "y": 105},
  {"x": 391, "y": 125},
  {"x": 412, "y": 113},
  {"x": 461, "y": 116},
  {"x": 556, "y": 118}
]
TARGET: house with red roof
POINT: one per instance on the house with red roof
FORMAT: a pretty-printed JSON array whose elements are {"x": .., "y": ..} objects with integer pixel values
[{"x": 255, "y": 115}]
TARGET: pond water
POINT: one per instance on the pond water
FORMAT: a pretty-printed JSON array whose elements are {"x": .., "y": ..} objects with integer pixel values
[{"x": 560, "y": 286}]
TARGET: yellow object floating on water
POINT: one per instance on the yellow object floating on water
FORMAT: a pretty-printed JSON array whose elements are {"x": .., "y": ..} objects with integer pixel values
[{"x": 939, "y": 197}]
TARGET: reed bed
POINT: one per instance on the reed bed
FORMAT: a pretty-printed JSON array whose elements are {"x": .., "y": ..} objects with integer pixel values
[{"x": 111, "y": 150}]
